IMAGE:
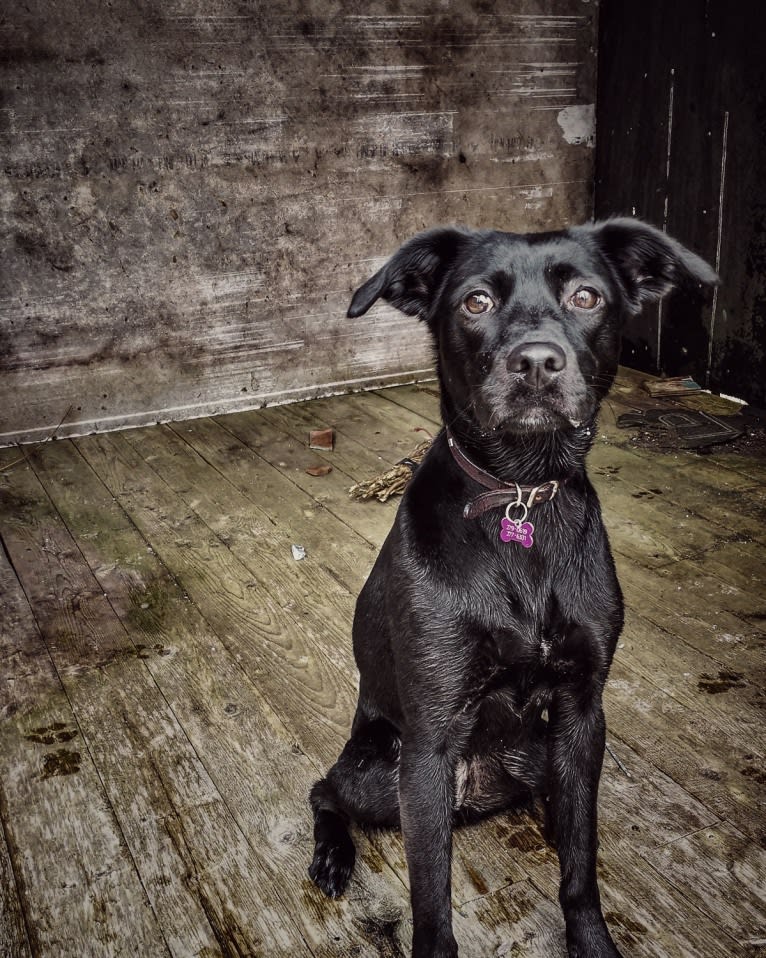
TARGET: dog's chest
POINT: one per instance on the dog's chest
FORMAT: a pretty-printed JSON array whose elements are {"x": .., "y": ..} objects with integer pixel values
[
  {"x": 522, "y": 677},
  {"x": 527, "y": 641}
]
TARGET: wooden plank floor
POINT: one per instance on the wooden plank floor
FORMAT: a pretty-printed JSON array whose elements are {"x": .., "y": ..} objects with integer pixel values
[{"x": 172, "y": 681}]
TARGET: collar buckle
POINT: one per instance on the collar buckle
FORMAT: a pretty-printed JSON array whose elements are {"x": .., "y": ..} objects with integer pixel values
[{"x": 501, "y": 493}]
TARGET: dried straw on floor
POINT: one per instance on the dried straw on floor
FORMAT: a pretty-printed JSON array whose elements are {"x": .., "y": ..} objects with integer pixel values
[{"x": 393, "y": 482}]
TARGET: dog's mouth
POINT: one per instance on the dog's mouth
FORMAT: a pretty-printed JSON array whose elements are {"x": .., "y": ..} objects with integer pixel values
[
  {"x": 536, "y": 417},
  {"x": 510, "y": 405}
]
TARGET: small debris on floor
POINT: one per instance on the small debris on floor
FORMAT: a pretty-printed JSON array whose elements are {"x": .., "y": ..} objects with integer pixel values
[
  {"x": 617, "y": 761},
  {"x": 319, "y": 470},
  {"x": 322, "y": 439},
  {"x": 673, "y": 386},
  {"x": 688, "y": 428},
  {"x": 393, "y": 482},
  {"x": 299, "y": 552}
]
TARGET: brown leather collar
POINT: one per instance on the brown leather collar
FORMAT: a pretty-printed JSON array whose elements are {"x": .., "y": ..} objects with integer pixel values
[{"x": 501, "y": 493}]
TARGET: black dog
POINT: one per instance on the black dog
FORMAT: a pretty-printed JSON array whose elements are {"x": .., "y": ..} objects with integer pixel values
[{"x": 485, "y": 631}]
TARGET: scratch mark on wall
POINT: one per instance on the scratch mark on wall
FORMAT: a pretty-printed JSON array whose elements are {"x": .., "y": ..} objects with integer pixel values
[
  {"x": 295, "y": 344},
  {"x": 721, "y": 192},
  {"x": 668, "y": 154}
]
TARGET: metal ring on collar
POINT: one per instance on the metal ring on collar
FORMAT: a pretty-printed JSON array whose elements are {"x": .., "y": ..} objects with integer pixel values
[{"x": 517, "y": 505}]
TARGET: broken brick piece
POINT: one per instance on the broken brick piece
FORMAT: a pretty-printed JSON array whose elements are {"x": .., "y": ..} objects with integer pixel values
[{"x": 322, "y": 439}]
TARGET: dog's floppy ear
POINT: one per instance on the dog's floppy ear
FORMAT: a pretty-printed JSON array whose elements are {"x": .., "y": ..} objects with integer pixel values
[
  {"x": 412, "y": 276},
  {"x": 648, "y": 261}
]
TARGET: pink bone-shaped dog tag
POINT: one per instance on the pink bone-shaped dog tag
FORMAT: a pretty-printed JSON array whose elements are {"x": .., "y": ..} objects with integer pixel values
[{"x": 517, "y": 531}]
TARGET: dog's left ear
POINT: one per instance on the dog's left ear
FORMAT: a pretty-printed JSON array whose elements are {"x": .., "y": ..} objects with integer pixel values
[
  {"x": 648, "y": 261},
  {"x": 410, "y": 279}
]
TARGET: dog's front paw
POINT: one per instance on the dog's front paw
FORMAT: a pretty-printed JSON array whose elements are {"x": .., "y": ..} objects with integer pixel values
[
  {"x": 333, "y": 864},
  {"x": 434, "y": 946},
  {"x": 589, "y": 937}
]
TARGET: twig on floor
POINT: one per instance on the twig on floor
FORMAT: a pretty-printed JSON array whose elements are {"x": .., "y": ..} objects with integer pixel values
[{"x": 616, "y": 760}]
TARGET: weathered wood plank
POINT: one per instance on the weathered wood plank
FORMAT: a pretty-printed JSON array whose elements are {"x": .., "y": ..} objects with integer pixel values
[
  {"x": 629, "y": 396},
  {"x": 730, "y": 887},
  {"x": 14, "y": 937},
  {"x": 270, "y": 635},
  {"x": 722, "y": 775},
  {"x": 640, "y": 808},
  {"x": 384, "y": 428},
  {"x": 647, "y": 915},
  {"x": 75, "y": 877},
  {"x": 740, "y": 567},
  {"x": 731, "y": 701},
  {"x": 245, "y": 748},
  {"x": 283, "y": 432},
  {"x": 15, "y": 619},
  {"x": 651, "y": 918},
  {"x": 277, "y": 432},
  {"x": 173, "y": 820},
  {"x": 721, "y": 620},
  {"x": 520, "y": 920},
  {"x": 649, "y": 912},
  {"x": 421, "y": 398},
  {"x": 728, "y": 505},
  {"x": 180, "y": 515},
  {"x": 264, "y": 482}
]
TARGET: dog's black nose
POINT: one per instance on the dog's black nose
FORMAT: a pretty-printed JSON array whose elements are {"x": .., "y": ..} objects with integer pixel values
[{"x": 537, "y": 362}]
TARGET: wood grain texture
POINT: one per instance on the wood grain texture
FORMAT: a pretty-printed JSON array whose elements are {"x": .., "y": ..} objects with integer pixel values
[
  {"x": 195, "y": 863},
  {"x": 735, "y": 874},
  {"x": 15, "y": 620},
  {"x": 192, "y": 195},
  {"x": 265, "y": 629},
  {"x": 72, "y": 870},
  {"x": 208, "y": 677},
  {"x": 254, "y": 760}
]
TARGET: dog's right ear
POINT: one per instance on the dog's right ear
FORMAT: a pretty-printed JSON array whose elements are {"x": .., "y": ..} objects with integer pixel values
[
  {"x": 411, "y": 278},
  {"x": 647, "y": 260}
]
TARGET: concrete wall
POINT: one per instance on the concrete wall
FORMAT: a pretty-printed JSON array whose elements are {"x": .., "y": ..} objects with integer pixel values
[{"x": 191, "y": 190}]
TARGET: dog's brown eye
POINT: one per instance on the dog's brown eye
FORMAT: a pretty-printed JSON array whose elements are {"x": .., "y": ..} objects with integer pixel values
[
  {"x": 585, "y": 298},
  {"x": 477, "y": 303}
]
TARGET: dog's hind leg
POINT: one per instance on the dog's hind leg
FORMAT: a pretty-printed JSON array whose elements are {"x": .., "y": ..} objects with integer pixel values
[
  {"x": 497, "y": 782},
  {"x": 504, "y": 767},
  {"x": 362, "y": 786}
]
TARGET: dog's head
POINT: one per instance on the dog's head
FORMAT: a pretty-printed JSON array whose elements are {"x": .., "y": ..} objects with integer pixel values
[{"x": 527, "y": 327}]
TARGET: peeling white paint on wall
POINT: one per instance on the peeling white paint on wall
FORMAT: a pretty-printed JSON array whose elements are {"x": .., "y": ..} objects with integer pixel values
[{"x": 578, "y": 124}]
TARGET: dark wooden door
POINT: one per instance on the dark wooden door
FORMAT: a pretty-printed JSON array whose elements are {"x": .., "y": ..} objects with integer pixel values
[{"x": 681, "y": 140}]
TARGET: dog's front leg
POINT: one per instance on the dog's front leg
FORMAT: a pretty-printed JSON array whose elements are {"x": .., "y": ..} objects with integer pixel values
[
  {"x": 576, "y": 751},
  {"x": 426, "y": 796}
]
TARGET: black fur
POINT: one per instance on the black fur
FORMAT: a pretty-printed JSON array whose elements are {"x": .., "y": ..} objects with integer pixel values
[{"x": 482, "y": 663}]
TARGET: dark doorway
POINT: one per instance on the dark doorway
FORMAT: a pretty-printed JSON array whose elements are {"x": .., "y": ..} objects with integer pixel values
[{"x": 681, "y": 121}]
